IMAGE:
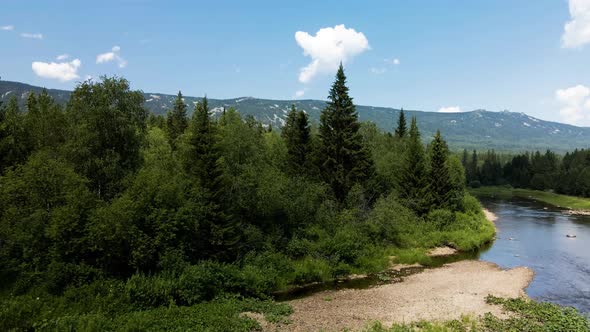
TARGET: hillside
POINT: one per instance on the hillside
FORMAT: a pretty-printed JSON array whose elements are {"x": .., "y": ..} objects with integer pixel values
[{"x": 505, "y": 131}]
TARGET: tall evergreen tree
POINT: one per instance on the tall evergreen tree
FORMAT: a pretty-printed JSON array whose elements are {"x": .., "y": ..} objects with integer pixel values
[
  {"x": 401, "y": 129},
  {"x": 413, "y": 184},
  {"x": 439, "y": 178},
  {"x": 297, "y": 136},
  {"x": 217, "y": 230},
  {"x": 471, "y": 171},
  {"x": 176, "y": 120},
  {"x": 344, "y": 160}
]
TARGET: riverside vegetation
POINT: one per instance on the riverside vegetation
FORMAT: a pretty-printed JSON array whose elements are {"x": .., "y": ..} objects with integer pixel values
[{"x": 115, "y": 219}]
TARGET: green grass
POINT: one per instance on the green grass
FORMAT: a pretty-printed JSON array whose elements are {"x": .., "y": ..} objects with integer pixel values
[
  {"x": 525, "y": 315},
  {"x": 558, "y": 200}
]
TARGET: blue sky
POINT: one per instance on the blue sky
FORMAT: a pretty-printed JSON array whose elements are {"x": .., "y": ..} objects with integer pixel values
[{"x": 451, "y": 54}]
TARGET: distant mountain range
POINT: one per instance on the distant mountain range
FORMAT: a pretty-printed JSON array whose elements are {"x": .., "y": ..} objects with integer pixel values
[{"x": 480, "y": 129}]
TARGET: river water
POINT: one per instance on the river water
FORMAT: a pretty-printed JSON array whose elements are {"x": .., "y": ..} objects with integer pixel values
[{"x": 534, "y": 235}]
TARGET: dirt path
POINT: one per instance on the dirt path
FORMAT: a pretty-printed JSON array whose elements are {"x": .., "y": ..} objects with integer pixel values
[{"x": 435, "y": 294}]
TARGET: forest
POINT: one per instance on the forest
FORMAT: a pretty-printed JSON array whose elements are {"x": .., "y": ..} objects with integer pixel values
[
  {"x": 568, "y": 174},
  {"x": 112, "y": 218}
]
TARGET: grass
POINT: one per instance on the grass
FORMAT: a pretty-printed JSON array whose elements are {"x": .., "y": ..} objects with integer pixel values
[
  {"x": 558, "y": 200},
  {"x": 525, "y": 315}
]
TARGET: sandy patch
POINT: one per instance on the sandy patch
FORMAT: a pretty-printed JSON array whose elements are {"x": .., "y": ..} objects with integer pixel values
[
  {"x": 436, "y": 294},
  {"x": 441, "y": 251},
  {"x": 490, "y": 215}
]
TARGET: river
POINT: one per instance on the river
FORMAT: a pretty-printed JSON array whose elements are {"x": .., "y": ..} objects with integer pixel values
[{"x": 532, "y": 234}]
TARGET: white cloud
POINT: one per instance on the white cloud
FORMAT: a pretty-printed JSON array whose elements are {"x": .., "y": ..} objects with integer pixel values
[
  {"x": 299, "y": 93},
  {"x": 450, "y": 109},
  {"x": 328, "y": 48},
  {"x": 394, "y": 61},
  {"x": 575, "y": 104},
  {"x": 62, "y": 57},
  {"x": 63, "y": 71},
  {"x": 7, "y": 27},
  {"x": 113, "y": 55},
  {"x": 577, "y": 31},
  {"x": 378, "y": 71},
  {"x": 31, "y": 35}
]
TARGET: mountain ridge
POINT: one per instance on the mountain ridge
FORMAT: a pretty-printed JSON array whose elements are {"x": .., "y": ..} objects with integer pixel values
[{"x": 481, "y": 129}]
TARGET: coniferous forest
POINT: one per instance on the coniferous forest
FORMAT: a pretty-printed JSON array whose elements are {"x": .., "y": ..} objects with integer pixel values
[
  {"x": 115, "y": 219},
  {"x": 568, "y": 174}
]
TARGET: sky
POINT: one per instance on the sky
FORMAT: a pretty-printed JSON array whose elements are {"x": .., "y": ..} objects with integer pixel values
[{"x": 530, "y": 56}]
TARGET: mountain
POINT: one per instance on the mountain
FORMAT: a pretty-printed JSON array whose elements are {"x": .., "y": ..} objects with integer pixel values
[{"x": 480, "y": 129}]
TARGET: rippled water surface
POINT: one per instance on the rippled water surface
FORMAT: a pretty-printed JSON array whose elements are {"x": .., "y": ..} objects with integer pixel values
[{"x": 533, "y": 235}]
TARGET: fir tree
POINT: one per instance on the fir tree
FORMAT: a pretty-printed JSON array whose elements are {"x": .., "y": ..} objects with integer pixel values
[
  {"x": 439, "y": 178},
  {"x": 414, "y": 178},
  {"x": 217, "y": 231},
  {"x": 176, "y": 120},
  {"x": 297, "y": 136},
  {"x": 344, "y": 160},
  {"x": 401, "y": 129}
]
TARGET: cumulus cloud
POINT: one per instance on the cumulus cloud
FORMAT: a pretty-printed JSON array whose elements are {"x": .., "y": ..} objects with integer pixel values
[
  {"x": 577, "y": 30},
  {"x": 450, "y": 109},
  {"x": 113, "y": 55},
  {"x": 328, "y": 48},
  {"x": 7, "y": 27},
  {"x": 575, "y": 103},
  {"x": 62, "y": 57},
  {"x": 62, "y": 71},
  {"x": 32, "y": 35}
]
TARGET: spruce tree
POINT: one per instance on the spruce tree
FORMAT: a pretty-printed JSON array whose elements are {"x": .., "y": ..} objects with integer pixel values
[
  {"x": 401, "y": 129},
  {"x": 472, "y": 173},
  {"x": 439, "y": 178},
  {"x": 344, "y": 160},
  {"x": 413, "y": 184},
  {"x": 297, "y": 136},
  {"x": 217, "y": 231},
  {"x": 176, "y": 120}
]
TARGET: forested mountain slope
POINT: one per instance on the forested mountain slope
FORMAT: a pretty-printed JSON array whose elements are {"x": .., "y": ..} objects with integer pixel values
[{"x": 505, "y": 131}]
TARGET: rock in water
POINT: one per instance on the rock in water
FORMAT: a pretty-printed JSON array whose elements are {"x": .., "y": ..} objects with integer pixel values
[{"x": 571, "y": 235}]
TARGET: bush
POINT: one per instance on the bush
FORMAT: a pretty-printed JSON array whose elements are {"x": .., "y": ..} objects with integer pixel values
[
  {"x": 208, "y": 280},
  {"x": 311, "y": 270},
  {"x": 151, "y": 291},
  {"x": 441, "y": 219}
]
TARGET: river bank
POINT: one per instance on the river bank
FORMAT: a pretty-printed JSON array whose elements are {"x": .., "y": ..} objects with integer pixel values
[
  {"x": 570, "y": 204},
  {"x": 439, "y": 294}
]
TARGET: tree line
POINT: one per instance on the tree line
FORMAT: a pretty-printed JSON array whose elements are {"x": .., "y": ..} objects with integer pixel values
[{"x": 567, "y": 174}]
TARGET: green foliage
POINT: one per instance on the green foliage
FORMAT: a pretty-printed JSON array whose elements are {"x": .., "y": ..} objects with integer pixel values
[
  {"x": 400, "y": 130},
  {"x": 297, "y": 136},
  {"x": 534, "y": 316},
  {"x": 116, "y": 221},
  {"x": 413, "y": 183},
  {"x": 344, "y": 159},
  {"x": 106, "y": 126},
  {"x": 13, "y": 135},
  {"x": 176, "y": 120},
  {"x": 442, "y": 192}
]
